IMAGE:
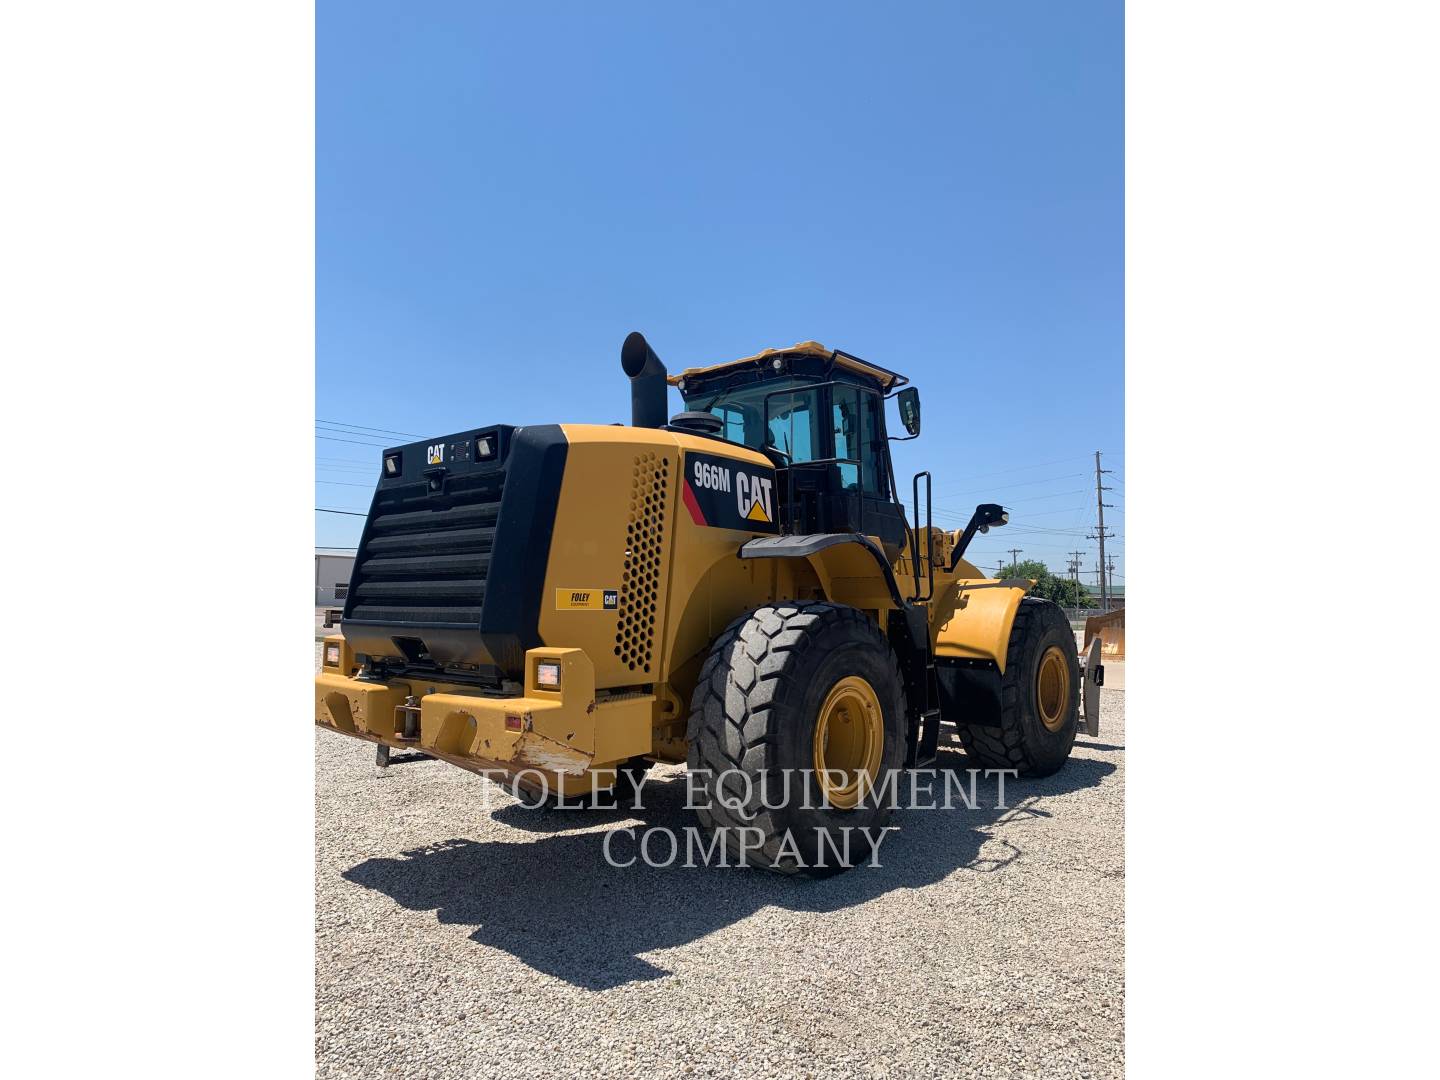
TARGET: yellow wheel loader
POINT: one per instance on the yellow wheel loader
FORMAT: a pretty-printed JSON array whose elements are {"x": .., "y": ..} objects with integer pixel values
[{"x": 737, "y": 588}]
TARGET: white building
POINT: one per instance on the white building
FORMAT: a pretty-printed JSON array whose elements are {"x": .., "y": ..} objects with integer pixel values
[{"x": 332, "y": 576}]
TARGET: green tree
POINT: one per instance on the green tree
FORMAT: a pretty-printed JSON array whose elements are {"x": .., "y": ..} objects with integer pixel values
[
  {"x": 1062, "y": 590},
  {"x": 1031, "y": 568}
]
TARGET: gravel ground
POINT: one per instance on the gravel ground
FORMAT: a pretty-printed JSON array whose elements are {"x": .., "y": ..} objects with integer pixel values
[{"x": 452, "y": 940}]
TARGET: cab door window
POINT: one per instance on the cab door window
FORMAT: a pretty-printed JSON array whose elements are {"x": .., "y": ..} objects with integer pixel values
[
  {"x": 792, "y": 427},
  {"x": 855, "y": 420}
]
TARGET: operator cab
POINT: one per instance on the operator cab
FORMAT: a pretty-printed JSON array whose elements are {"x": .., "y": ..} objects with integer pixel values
[{"x": 819, "y": 415}]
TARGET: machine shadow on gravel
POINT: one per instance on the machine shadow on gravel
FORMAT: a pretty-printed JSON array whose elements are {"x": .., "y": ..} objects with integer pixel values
[{"x": 557, "y": 905}]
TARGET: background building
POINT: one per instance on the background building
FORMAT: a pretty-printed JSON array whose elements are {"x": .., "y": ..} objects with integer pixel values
[{"x": 332, "y": 575}]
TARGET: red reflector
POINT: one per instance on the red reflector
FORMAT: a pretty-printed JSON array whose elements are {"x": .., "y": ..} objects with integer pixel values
[{"x": 512, "y": 723}]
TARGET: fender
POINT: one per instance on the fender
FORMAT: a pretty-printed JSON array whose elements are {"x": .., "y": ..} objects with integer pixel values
[
  {"x": 810, "y": 546},
  {"x": 979, "y": 627}
]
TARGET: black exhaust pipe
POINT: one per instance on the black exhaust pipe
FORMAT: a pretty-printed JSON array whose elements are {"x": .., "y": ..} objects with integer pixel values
[{"x": 649, "y": 401}]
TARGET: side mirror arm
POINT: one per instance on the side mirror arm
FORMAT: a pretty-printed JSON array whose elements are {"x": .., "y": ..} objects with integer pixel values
[{"x": 986, "y": 515}]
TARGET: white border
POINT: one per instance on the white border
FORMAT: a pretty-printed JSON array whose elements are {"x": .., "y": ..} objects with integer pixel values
[
  {"x": 1281, "y": 348},
  {"x": 158, "y": 318}
]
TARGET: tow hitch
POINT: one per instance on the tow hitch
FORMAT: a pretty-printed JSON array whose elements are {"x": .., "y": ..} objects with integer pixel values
[{"x": 407, "y": 720}]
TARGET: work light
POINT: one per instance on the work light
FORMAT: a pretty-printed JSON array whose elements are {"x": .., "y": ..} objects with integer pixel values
[
  {"x": 332, "y": 655},
  {"x": 484, "y": 447},
  {"x": 392, "y": 464},
  {"x": 547, "y": 673}
]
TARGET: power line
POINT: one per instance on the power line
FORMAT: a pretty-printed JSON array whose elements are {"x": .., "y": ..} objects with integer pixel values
[
  {"x": 964, "y": 515},
  {"x": 1042, "y": 530},
  {"x": 362, "y": 427},
  {"x": 1022, "y": 468},
  {"x": 1044, "y": 513},
  {"x": 357, "y": 434},
  {"x": 359, "y": 440},
  {"x": 1052, "y": 495},
  {"x": 356, "y": 442},
  {"x": 351, "y": 513},
  {"x": 1023, "y": 483}
]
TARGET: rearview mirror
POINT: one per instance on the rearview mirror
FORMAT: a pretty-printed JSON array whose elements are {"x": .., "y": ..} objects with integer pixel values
[
  {"x": 909, "y": 401},
  {"x": 988, "y": 514}
]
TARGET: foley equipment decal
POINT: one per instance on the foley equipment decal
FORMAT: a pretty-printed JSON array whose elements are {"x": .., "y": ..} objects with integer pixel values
[
  {"x": 727, "y": 494},
  {"x": 587, "y": 599}
]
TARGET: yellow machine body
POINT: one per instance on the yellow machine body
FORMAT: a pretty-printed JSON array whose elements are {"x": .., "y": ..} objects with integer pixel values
[
  {"x": 627, "y": 672},
  {"x": 638, "y": 581}
]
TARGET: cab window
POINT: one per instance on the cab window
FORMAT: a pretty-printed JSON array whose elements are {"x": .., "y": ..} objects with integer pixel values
[
  {"x": 734, "y": 418},
  {"x": 856, "y": 424},
  {"x": 793, "y": 427}
]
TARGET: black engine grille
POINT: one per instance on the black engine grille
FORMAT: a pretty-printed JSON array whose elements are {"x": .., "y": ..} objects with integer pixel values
[
  {"x": 426, "y": 556},
  {"x": 450, "y": 574}
]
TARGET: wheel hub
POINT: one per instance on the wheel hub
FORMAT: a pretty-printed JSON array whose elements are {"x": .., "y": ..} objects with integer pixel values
[
  {"x": 849, "y": 740},
  {"x": 1052, "y": 688}
]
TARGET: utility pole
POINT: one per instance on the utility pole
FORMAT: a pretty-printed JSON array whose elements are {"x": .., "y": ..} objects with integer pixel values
[
  {"x": 1014, "y": 556},
  {"x": 1111, "y": 567},
  {"x": 1075, "y": 557},
  {"x": 1100, "y": 533}
]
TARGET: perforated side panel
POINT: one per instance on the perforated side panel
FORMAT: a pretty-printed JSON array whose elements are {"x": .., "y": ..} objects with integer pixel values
[{"x": 640, "y": 581}]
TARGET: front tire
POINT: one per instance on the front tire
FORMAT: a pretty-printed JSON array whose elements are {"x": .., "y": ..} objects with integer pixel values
[
  {"x": 1039, "y": 696},
  {"x": 798, "y": 706}
]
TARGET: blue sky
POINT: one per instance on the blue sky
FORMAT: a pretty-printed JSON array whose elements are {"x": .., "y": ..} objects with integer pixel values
[{"x": 503, "y": 191}]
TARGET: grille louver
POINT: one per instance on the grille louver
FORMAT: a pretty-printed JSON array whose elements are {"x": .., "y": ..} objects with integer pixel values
[{"x": 426, "y": 557}]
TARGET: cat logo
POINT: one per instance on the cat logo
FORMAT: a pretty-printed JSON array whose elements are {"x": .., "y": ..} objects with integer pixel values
[
  {"x": 435, "y": 455},
  {"x": 754, "y": 491},
  {"x": 725, "y": 493}
]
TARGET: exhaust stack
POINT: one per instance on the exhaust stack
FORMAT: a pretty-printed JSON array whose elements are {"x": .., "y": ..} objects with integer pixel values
[{"x": 648, "y": 389}]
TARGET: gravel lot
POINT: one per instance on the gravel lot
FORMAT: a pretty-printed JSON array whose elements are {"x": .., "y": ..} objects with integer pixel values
[{"x": 456, "y": 941}]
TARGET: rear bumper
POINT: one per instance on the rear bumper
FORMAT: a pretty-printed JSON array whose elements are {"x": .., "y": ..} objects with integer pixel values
[{"x": 564, "y": 736}]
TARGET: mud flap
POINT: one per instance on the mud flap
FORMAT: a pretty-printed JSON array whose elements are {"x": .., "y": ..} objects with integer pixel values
[{"x": 1092, "y": 677}]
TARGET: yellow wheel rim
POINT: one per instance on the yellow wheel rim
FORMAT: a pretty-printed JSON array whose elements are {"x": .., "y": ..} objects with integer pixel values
[
  {"x": 849, "y": 740},
  {"x": 1052, "y": 688}
]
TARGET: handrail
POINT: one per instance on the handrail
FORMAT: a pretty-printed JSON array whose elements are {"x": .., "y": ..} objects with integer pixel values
[{"x": 929, "y": 537}]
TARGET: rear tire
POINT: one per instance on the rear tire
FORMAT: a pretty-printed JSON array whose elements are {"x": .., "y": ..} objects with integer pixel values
[
  {"x": 1039, "y": 696},
  {"x": 769, "y": 681}
]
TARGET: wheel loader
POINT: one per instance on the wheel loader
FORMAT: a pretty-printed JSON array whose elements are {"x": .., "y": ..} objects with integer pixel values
[{"x": 737, "y": 587}]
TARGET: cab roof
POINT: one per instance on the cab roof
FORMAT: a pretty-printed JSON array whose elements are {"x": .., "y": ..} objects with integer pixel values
[{"x": 887, "y": 379}]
